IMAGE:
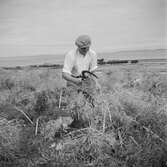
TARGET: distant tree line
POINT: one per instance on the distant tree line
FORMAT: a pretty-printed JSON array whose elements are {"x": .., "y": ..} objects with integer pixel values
[
  {"x": 59, "y": 66},
  {"x": 101, "y": 61},
  {"x": 56, "y": 66}
]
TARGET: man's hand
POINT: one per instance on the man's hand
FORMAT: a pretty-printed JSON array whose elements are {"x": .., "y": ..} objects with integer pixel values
[
  {"x": 72, "y": 79},
  {"x": 77, "y": 81}
]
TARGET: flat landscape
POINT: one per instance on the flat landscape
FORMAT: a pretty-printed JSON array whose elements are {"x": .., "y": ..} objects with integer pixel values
[
  {"x": 157, "y": 54},
  {"x": 117, "y": 116},
  {"x": 122, "y": 124}
]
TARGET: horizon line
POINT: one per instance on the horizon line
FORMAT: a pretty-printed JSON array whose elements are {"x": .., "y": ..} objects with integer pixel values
[{"x": 99, "y": 52}]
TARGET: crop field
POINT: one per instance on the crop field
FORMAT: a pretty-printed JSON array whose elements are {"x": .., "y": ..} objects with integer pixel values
[{"x": 119, "y": 122}]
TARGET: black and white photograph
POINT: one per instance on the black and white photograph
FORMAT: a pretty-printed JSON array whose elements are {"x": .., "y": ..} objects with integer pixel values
[{"x": 83, "y": 83}]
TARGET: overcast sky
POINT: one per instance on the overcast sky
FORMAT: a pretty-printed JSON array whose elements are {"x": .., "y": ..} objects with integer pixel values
[{"x": 30, "y": 27}]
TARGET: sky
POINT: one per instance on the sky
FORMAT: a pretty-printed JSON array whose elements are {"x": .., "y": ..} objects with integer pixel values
[{"x": 35, "y": 27}]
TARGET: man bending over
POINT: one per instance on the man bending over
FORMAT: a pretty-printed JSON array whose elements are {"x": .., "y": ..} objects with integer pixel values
[{"x": 80, "y": 59}]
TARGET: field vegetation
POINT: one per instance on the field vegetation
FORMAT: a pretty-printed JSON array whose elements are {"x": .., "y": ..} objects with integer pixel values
[{"x": 44, "y": 124}]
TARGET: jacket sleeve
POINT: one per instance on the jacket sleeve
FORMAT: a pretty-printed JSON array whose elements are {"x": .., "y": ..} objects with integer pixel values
[{"x": 68, "y": 63}]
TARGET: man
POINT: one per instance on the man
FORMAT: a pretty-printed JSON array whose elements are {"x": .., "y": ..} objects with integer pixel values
[{"x": 79, "y": 59}]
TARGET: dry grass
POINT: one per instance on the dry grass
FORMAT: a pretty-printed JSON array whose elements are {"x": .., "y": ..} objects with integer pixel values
[{"x": 125, "y": 127}]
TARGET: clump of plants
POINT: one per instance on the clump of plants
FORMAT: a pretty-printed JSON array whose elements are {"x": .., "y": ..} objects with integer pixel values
[{"x": 126, "y": 125}]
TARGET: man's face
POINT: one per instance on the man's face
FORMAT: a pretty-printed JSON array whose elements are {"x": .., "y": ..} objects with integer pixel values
[{"x": 83, "y": 50}]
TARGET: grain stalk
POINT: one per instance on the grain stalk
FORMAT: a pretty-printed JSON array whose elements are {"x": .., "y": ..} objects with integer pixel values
[
  {"x": 23, "y": 114},
  {"x": 36, "y": 127},
  {"x": 104, "y": 120},
  {"x": 60, "y": 98}
]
